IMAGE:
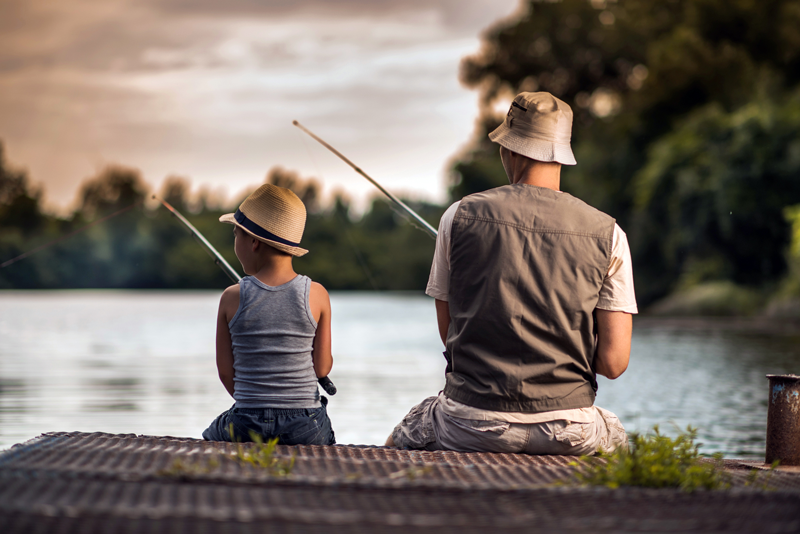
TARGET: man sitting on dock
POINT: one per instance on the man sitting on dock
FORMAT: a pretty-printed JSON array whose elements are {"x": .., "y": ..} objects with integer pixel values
[{"x": 534, "y": 296}]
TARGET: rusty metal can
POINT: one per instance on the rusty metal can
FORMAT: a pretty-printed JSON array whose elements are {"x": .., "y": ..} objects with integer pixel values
[{"x": 783, "y": 420}]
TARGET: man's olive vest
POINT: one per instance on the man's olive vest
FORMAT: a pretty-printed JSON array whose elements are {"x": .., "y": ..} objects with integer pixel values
[{"x": 526, "y": 268}]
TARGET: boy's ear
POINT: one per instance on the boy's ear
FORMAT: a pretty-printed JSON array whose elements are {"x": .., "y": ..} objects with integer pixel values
[{"x": 256, "y": 245}]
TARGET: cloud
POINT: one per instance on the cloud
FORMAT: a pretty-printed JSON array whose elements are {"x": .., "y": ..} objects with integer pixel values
[{"x": 208, "y": 89}]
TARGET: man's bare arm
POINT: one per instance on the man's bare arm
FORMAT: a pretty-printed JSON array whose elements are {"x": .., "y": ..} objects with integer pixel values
[
  {"x": 443, "y": 318},
  {"x": 614, "y": 331}
]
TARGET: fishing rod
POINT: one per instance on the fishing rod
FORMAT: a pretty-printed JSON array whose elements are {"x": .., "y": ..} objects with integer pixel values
[
  {"x": 325, "y": 382},
  {"x": 218, "y": 259},
  {"x": 425, "y": 226}
]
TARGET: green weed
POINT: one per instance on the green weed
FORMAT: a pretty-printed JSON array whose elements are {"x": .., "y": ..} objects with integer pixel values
[
  {"x": 760, "y": 480},
  {"x": 656, "y": 461},
  {"x": 183, "y": 468},
  {"x": 412, "y": 472},
  {"x": 263, "y": 457}
]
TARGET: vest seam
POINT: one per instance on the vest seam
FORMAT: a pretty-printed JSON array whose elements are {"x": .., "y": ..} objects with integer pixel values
[{"x": 526, "y": 228}]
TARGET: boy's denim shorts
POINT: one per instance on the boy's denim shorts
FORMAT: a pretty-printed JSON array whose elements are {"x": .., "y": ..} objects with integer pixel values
[{"x": 292, "y": 426}]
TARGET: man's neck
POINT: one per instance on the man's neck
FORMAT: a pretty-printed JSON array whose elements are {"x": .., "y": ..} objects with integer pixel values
[{"x": 539, "y": 174}]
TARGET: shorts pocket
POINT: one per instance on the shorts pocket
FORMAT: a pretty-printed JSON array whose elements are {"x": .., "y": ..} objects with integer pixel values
[
  {"x": 306, "y": 429},
  {"x": 471, "y": 435},
  {"x": 496, "y": 427},
  {"x": 415, "y": 431},
  {"x": 615, "y": 436},
  {"x": 574, "y": 434},
  {"x": 244, "y": 426}
]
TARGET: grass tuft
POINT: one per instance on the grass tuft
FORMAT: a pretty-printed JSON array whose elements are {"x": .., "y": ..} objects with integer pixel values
[
  {"x": 656, "y": 461},
  {"x": 261, "y": 456}
]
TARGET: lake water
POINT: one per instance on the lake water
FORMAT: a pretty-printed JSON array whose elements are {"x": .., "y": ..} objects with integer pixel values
[{"x": 143, "y": 362}]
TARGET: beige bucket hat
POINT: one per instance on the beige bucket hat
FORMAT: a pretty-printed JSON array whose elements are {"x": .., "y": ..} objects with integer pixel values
[
  {"x": 539, "y": 126},
  {"x": 274, "y": 215}
]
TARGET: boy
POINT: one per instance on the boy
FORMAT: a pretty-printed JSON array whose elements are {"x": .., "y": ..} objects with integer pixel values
[{"x": 273, "y": 330}]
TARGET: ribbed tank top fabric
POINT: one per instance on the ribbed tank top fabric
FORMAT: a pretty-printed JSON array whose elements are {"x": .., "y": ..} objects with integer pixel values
[{"x": 272, "y": 334}]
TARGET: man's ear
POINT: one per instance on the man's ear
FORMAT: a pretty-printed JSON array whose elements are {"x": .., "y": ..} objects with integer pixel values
[{"x": 256, "y": 244}]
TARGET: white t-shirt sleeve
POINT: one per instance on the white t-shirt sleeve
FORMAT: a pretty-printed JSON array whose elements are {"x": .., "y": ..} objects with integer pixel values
[
  {"x": 439, "y": 279},
  {"x": 617, "y": 293}
]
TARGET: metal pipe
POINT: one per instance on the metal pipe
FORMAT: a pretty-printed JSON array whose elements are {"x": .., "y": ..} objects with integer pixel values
[
  {"x": 425, "y": 226},
  {"x": 783, "y": 420}
]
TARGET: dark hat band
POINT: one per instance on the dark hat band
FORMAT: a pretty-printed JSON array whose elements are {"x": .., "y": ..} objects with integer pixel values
[{"x": 255, "y": 229}]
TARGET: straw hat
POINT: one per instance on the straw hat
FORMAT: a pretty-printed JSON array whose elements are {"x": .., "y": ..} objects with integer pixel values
[
  {"x": 539, "y": 126},
  {"x": 273, "y": 215}
]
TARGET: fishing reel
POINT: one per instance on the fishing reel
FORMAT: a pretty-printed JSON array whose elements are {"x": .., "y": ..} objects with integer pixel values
[{"x": 327, "y": 385}]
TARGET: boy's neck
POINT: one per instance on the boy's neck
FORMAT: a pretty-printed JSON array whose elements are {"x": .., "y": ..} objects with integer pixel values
[{"x": 274, "y": 270}]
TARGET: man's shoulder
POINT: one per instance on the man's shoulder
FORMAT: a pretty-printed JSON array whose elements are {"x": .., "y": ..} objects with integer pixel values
[
  {"x": 589, "y": 210},
  {"x": 549, "y": 204}
]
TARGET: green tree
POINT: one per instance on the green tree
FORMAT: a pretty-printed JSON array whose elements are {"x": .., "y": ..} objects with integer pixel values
[
  {"x": 637, "y": 74},
  {"x": 21, "y": 220},
  {"x": 717, "y": 187}
]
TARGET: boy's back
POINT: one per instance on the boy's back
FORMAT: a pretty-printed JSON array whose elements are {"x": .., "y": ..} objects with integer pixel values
[{"x": 272, "y": 336}]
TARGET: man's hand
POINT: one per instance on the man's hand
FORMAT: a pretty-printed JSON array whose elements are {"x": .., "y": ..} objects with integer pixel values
[{"x": 613, "y": 343}]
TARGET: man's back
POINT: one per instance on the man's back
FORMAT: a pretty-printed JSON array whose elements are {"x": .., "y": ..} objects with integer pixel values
[{"x": 526, "y": 268}]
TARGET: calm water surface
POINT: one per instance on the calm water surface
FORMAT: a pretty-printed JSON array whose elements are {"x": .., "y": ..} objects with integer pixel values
[{"x": 143, "y": 362}]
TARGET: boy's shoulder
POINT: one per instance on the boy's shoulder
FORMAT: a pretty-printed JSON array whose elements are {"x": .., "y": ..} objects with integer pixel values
[
  {"x": 231, "y": 291},
  {"x": 229, "y": 302},
  {"x": 318, "y": 286},
  {"x": 318, "y": 289}
]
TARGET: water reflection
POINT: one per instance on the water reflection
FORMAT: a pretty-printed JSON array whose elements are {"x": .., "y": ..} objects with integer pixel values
[
  {"x": 143, "y": 362},
  {"x": 114, "y": 395}
]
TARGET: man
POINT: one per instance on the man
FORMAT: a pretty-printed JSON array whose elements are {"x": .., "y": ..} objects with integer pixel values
[{"x": 534, "y": 295}]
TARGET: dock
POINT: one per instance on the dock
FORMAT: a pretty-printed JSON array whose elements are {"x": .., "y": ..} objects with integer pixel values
[{"x": 72, "y": 482}]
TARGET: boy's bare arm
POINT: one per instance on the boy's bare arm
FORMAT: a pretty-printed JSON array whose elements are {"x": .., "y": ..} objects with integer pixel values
[
  {"x": 228, "y": 304},
  {"x": 320, "y": 304}
]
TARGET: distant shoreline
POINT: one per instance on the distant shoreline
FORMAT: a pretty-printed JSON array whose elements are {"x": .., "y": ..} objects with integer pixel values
[{"x": 750, "y": 325}]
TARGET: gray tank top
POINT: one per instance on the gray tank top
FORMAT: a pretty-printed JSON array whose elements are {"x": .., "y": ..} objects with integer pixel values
[{"x": 272, "y": 334}]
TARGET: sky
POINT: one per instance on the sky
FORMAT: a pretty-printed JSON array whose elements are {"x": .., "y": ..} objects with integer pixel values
[{"x": 208, "y": 90}]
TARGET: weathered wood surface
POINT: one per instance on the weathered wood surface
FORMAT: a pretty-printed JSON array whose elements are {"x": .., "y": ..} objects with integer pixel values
[{"x": 87, "y": 483}]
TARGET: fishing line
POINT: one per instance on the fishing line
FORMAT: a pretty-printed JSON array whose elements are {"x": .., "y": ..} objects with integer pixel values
[
  {"x": 67, "y": 236},
  {"x": 343, "y": 225},
  {"x": 425, "y": 225}
]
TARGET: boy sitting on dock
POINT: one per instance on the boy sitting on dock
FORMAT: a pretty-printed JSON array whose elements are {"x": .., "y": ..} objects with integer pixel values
[{"x": 273, "y": 330}]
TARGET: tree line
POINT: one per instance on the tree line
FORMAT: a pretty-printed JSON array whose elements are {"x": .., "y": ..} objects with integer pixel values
[
  {"x": 146, "y": 248},
  {"x": 687, "y": 131}
]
